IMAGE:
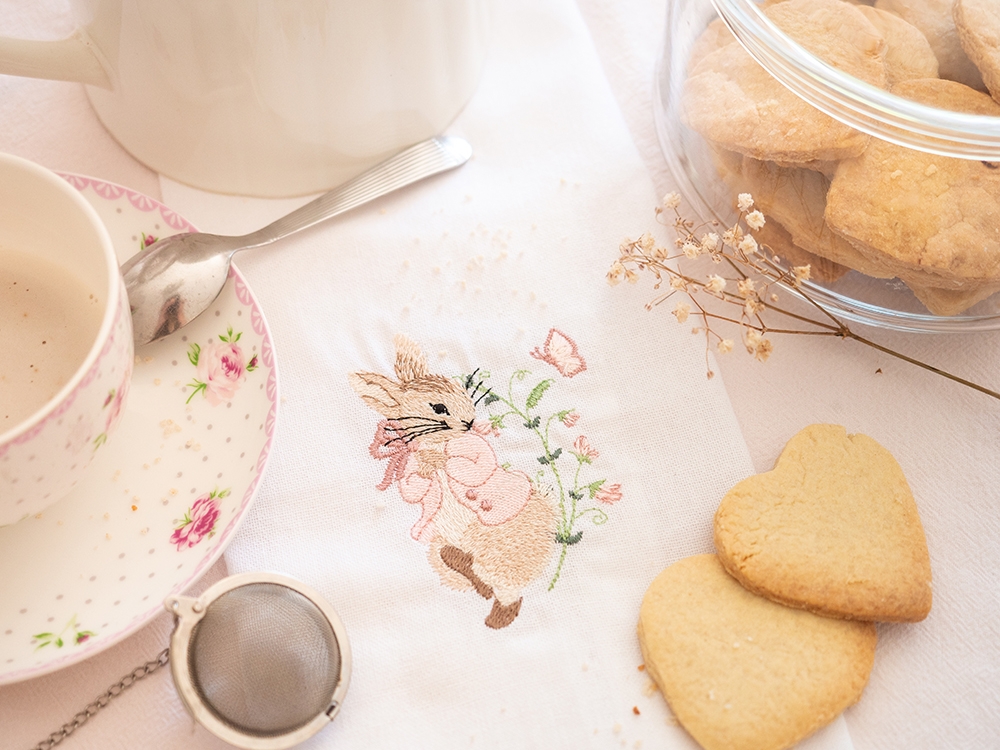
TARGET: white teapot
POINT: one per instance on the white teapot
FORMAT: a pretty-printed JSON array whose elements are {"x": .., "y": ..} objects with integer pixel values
[{"x": 266, "y": 97}]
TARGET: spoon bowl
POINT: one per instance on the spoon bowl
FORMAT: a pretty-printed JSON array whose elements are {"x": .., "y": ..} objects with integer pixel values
[{"x": 177, "y": 278}]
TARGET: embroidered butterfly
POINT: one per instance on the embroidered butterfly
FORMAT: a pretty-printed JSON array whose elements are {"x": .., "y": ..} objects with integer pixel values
[{"x": 561, "y": 352}]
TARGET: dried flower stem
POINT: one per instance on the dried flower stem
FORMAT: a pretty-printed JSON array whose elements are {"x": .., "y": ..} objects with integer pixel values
[{"x": 756, "y": 272}]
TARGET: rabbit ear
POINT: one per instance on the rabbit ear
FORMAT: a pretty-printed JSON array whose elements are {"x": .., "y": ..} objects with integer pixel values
[
  {"x": 410, "y": 361},
  {"x": 380, "y": 393}
]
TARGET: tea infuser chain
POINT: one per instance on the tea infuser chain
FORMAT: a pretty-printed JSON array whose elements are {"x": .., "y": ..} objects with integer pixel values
[{"x": 102, "y": 700}]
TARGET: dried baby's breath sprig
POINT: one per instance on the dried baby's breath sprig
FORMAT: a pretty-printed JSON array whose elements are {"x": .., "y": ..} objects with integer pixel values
[{"x": 743, "y": 294}]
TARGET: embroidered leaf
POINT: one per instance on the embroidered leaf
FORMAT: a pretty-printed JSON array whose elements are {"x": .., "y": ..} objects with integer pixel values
[
  {"x": 551, "y": 457},
  {"x": 533, "y": 423},
  {"x": 576, "y": 494},
  {"x": 593, "y": 487},
  {"x": 491, "y": 399},
  {"x": 520, "y": 374},
  {"x": 536, "y": 393},
  {"x": 505, "y": 466},
  {"x": 569, "y": 539},
  {"x": 497, "y": 421},
  {"x": 193, "y": 353}
]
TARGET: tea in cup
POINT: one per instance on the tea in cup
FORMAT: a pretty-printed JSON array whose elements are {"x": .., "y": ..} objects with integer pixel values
[{"x": 65, "y": 334}]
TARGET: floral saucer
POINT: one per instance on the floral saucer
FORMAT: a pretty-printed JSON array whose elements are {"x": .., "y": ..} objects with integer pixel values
[{"x": 165, "y": 493}]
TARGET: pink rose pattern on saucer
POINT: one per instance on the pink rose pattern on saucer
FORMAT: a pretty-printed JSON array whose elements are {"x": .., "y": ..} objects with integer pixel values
[
  {"x": 75, "y": 636},
  {"x": 199, "y": 522},
  {"x": 222, "y": 368}
]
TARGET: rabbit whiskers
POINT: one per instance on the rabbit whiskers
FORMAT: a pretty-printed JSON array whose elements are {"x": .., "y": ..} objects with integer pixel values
[{"x": 409, "y": 433}]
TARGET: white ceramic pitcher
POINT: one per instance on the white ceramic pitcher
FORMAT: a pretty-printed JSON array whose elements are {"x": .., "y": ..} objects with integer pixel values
[{"x": 266, "y": 97}]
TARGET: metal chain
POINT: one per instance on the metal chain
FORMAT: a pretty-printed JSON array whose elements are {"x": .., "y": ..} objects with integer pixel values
[{"x": 102, "y": 700}]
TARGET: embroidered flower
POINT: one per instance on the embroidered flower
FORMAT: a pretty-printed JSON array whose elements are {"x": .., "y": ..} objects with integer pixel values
[
  {"x": 583, "y": 450},
  {"x": 570, "y": 418},
  {"x": 561, "y": 352},
  {"x": 609, "y": 495},
  {"x": 199, "y": 521}
]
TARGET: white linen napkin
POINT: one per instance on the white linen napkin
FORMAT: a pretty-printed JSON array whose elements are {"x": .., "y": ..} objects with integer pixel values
[{"x": 498, "y": 266}]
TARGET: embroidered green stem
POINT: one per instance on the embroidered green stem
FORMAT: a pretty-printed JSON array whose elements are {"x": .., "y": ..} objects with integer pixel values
[
  {"x": 568, "y": 495},
  {"x": 550, "y": 457},
  {"x": 562, "y": 558}
]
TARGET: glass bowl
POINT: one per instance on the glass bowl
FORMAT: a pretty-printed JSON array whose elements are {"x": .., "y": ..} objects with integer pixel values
[{"x": 704, "y": 171}]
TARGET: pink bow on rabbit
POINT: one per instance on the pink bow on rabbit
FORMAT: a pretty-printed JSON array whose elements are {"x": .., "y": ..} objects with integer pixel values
[{"x": 474, "y": 477}]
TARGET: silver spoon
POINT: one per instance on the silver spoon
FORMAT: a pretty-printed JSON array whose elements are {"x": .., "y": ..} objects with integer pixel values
[{"x": 176, "y": 279}]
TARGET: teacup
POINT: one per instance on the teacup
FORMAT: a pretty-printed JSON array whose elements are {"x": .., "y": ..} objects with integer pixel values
[
  {"x": 65, "y": 338},
  {"x": 267, "y": 98}
]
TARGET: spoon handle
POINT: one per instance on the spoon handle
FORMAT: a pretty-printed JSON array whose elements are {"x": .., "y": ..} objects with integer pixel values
[{"x": 438, "y": 154}]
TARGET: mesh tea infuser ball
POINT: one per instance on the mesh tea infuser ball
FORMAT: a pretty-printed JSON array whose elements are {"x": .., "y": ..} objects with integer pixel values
[{"x": 260, "y": 660}]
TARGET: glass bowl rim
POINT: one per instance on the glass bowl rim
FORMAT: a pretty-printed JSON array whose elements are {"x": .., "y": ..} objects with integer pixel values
[{"x": 868, "y": 108}]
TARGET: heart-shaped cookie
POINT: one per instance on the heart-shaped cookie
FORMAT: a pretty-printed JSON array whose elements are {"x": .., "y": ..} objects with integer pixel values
[
  {"x": 740, "y": 671},
  {"x": 833, "y": 528}
]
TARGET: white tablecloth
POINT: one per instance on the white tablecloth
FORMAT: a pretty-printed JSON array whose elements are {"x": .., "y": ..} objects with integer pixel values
[{"x": 934, "y": 683}]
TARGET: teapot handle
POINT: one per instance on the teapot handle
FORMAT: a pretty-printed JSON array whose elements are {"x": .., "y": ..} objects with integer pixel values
[{"x": 70, "y": 59}]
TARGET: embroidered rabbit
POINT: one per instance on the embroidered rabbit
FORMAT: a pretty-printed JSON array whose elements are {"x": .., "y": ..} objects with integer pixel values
[{"x": 489, "y": 529}]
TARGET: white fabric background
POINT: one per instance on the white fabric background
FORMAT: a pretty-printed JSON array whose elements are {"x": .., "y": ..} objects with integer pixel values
[{"x": 934, "y": 684}]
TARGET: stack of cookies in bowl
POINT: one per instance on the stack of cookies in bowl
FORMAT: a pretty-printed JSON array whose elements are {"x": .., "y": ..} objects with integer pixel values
[
  {"x": 761, "y": 644},
  {"x": 836, "y": 197}
]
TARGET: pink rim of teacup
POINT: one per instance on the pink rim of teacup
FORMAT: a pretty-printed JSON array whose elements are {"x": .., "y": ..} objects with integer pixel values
[{"x": 59, "y": 403}]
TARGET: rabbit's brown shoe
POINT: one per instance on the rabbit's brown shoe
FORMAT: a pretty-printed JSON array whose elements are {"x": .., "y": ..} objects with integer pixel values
[{"x": 503, "y": 615}]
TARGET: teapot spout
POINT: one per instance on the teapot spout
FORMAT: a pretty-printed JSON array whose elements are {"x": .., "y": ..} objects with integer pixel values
[{"x": 70, "y": 59}]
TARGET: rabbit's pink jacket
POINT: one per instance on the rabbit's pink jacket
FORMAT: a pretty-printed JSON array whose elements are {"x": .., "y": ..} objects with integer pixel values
[{"x": 472, "y": 474}]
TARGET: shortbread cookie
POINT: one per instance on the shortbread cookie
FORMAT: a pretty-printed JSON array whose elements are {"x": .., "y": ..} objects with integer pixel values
[
  {"x": 908, "y": 53},
  {"x": 731, "y": 100},
  {"x": 978, "y": 26},
  {"x": 833, "y": 529},
  {"x": 934, "y": 19},
  {"x": 951, "y": 301},
  {"x": 927, "y": 213},
  {"x": 740, "y": 671},
  {"x": 796, "y": 199},
  {"x": 715, "y": 36},
  {"x": 779, "y": 241}
]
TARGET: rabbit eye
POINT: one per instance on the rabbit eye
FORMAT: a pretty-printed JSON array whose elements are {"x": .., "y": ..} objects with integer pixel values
[{"x": 439, "y": 409}]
